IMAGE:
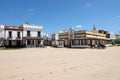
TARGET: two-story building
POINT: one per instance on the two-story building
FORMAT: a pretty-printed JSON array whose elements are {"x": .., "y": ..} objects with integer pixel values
[
  {"x": 31, "y": 35},
  {"x": 17, "y": 36},
  {"x": 10, "y": 36},
  {"x": 81, "y": 38},
  {"x": 13, "y": 36}
]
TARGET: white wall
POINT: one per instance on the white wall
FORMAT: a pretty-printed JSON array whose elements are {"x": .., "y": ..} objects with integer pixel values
[
  {"x": 34, "y": 27},
  {"x": 33, "y": 30},
  {"x": 14, "y": 34},
  {"x": 1, "y": 31},
  {"x": 112, "y": 36},
  {"x": 33, "y": 33},
  {"x": 56, "y": 36}
]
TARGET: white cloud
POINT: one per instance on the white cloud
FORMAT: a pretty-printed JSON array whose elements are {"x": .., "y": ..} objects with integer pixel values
[
  {"x": 30, "y": 10},
  {"x": 87, "y": 5},
  {"x": 79, "y": 26}
]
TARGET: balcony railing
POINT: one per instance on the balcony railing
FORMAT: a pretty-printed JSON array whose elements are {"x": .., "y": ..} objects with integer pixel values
[
  {"x": 9, "y": 37},
  {"x": 18, "y": 38}
]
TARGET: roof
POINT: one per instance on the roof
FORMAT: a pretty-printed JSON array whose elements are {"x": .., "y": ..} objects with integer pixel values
[{"x": 13, "y": 28}]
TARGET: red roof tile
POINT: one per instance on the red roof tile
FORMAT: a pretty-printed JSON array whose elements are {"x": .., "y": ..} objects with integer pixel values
[{"x": 13, "y": 28}]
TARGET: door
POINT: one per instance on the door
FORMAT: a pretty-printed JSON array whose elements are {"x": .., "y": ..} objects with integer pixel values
[
  {"x": 18, "y": 43},
  {"x": 10, "y": 43}
]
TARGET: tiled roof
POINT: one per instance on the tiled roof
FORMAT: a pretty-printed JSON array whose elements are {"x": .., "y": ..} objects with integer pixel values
[{"x": 13, "y": 28}]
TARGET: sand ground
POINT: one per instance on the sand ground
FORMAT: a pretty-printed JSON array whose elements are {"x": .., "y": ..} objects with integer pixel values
[{"x": 60, "y": 64}]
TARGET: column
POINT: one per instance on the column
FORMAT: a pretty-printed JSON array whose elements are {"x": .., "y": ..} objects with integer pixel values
[
  {"x": 26, "y": 42},
  {"x": 80, "y": 42},
  {"x": 71, "y": 42}
]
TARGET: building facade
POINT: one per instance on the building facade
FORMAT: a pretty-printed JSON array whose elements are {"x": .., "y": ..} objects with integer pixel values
[
  {"x": 31, "y": 35},
  {"x": 12, "y": 36},
  {"x": 81, "y": 38},
  {"x": 20, "y": 36}
]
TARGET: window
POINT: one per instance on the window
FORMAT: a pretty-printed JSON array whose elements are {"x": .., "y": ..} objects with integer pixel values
[
  {"x": 18, "y": 34},
  {"x": 28, "y": 33},
  {"x": 39, "y": 33},
  {"x": 10, "y": 34}
]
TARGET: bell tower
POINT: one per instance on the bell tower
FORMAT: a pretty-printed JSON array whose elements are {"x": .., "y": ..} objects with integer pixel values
[{"x": 94, "y": 29}]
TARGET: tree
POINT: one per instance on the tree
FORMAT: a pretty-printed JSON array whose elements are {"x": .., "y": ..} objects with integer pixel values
[{"x": 117, "y": 41}]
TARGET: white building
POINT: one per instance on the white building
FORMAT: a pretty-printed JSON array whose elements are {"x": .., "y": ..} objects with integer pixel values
[
  {"x": 111, "y": 37},
  {"x": 13, "y": 35},
  {"x": 1, "y": 35},
  {"x": 31, "y": 35},
  {"x": 117, "y": 36},
  {"x": 10, "y": 35},
  {"x": 25, "y": 35}
]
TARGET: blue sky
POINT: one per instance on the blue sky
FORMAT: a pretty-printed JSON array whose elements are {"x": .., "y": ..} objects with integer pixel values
[{"x": 55, "y": 15}]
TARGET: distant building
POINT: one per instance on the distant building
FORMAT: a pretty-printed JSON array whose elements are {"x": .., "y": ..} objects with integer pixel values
[
  {"x": 117, "y": 36},
  {"x": 111, "y": 38},
  {"x": 81, "y": 38}
]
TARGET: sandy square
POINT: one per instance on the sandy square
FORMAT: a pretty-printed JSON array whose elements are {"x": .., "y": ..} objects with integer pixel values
[{"x": 60, "y": 64}]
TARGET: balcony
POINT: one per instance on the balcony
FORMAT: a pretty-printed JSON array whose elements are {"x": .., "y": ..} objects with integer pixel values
[
  {"x": 18, "y": 38},
  {"x": 32, "y": 38},
  {"x": 9, "y": 37}
]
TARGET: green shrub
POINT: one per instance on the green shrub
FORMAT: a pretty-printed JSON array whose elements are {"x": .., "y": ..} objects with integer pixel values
[{"x": 117, "y": 41}]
